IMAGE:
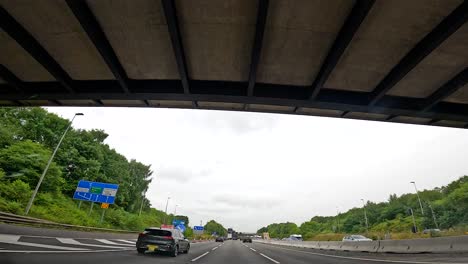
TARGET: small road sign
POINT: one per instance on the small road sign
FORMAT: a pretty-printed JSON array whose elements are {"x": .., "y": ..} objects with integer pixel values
[
  {"x": 198, "y": 228},
  {"x": 96, "y": 192},
  {"x": 104, "y": 205}
]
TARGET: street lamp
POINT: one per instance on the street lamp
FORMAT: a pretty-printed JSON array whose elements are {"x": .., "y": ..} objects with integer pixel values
[
  {"x": 365, "y": 215},
  {"x": 419, "y": 199},
  {"x": 415, "y": 228},
  {"x": 337, "y": 220},
  {"x": 165, "y": 212},
  {"x": 28, "y": 207},
  {"x": 143, "y": 194},
  {"x": 433, "y": 216},
  {"x": 175, "y": 212}
]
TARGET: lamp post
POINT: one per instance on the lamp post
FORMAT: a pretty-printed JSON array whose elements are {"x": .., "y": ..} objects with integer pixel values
[
  {"x": 337, "y": 220},
  {"x": 165, "y": 212},
  {"x": 365, "y": 215},
  {"x": 143, "y": 194},
  {"x": 415, "y": 228},
  {"x": 419, "y": 199},
  {"x": 175, "y": 212},
  {"x": 28, "y": 207},
  {"x": 433, "y": 216}
]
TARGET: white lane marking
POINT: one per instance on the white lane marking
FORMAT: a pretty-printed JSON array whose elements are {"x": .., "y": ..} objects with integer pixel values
[
  {"x": 125, "y": 241},
  {"x": 265, "y": 256},
  {"x": 201, "y": 256},
  {"x": 61, "y": 251},
  {"x": 72, "y": 241},
  {"x": 13, "y": 239},
  {"x": 367, "y": 259},
  {"x": 105, "y": 241},
  {"x": 253, "y": 249},
  {"x": 214, "y": 248}
]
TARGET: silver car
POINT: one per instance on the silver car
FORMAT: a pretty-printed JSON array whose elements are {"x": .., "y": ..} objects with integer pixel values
[{"x": 354, "y": 238}]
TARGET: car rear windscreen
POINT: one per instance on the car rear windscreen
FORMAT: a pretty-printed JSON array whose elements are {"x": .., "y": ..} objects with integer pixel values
[{"x": 158, "y": 232}]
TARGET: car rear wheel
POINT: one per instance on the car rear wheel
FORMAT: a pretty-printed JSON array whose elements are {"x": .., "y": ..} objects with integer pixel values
[
  {"x": 175, "y": 252},
  {"x": 141, "y": 250},
  {"x": 187, "y": 250}
]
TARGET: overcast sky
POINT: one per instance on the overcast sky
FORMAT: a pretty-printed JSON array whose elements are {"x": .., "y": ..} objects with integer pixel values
[{"x": 247, "y": 170}]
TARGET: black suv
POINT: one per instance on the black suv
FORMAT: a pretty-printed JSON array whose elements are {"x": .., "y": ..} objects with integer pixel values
[
  {"x": 247, "y": 240},
  {"x": 162, "y": 240}
]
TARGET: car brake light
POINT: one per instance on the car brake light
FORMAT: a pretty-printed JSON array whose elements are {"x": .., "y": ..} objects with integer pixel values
[
  {"x": 141, "y": 235},
  {"x": 168, "y": 237}
]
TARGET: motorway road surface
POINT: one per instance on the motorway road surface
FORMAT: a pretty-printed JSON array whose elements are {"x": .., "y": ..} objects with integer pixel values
[{"x": 30, "y": 245}]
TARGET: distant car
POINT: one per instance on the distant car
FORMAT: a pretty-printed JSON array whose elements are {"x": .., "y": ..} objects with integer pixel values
[
  {"x": 219, "y": 239},
  {"x": 247, "y": 240},
  {"x": 431, "y": 231},
  {"x": 294, "y": 237},
  {"x": 355, "y": 238},
  {"x": 162, "y": 240}
]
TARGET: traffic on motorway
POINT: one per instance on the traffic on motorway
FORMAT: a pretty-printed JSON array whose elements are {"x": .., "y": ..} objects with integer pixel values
[{"x": 60, "y": 246}]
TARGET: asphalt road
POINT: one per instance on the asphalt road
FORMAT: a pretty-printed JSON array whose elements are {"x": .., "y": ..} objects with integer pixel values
[{"x": 30, "y": 245}]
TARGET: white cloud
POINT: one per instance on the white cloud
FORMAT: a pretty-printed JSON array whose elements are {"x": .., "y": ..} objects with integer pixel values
[{"x": 250, "y": 169}]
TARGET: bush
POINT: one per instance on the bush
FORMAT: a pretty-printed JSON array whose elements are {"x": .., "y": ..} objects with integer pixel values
[
  {"x": 17, "y": 191},
  {"x": 11, "y": 206}
]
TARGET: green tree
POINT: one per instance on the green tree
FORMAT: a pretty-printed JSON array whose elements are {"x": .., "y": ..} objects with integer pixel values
[
  {"x": 212, "y": 226},
  {"x": 26, "y": 160}
]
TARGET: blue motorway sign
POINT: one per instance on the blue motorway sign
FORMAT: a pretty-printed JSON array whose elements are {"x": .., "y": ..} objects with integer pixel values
[
  {"x": 198, "y": 228},
  {"x": 96, "y": 192},
  {"x": 179, "y": 224}
]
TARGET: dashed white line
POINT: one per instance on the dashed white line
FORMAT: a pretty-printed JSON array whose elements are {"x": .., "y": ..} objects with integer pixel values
[
  {"x": 253, "y": 249},
  {"x": 267, "y": 257},
  {"x": 214, "y": 248},
  {"x": 201, "y": 256}
]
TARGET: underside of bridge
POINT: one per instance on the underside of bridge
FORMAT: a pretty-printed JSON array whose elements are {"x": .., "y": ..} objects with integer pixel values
[{"x": 396, "y": 61}]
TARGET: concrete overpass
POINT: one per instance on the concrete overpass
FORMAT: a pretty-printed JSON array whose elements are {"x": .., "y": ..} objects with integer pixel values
[{"x": 395, "y": 61}]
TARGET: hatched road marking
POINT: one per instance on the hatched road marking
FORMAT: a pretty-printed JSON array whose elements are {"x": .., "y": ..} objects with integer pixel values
[
  {"x": 125, "y": 241},
  {"x": 62, "y": 251},
  {"x": 54, "y": 248},
  {"x": 72, "y": 241},
  {"x": 13, "y": 239},
  {"x": 105, "y": 241}
]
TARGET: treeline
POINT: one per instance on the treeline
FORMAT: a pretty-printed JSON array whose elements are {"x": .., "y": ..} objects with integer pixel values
[
  {"x": 27, "y": 139},
  {"x": 212, "y": 227},
  {"x": 445, "y": 208}
]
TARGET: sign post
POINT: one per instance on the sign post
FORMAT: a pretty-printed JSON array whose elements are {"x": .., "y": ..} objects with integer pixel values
[
  {"x": 91, "y": 208},
  {"x": 104, "y": 206}
]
